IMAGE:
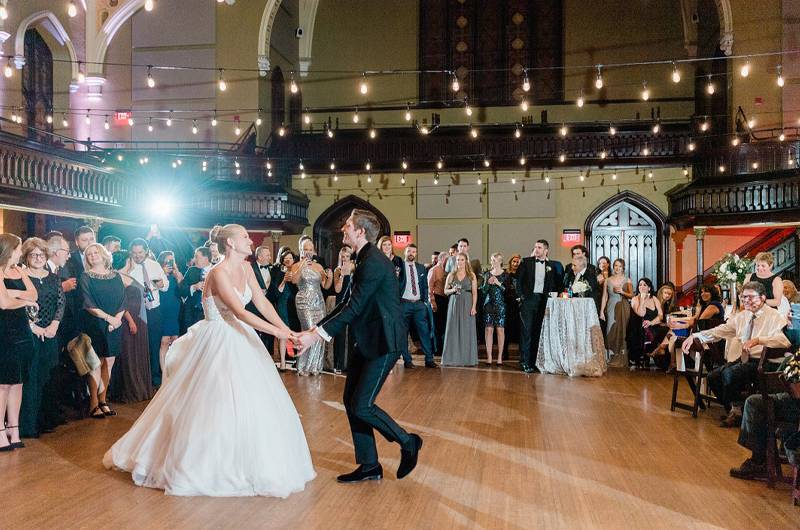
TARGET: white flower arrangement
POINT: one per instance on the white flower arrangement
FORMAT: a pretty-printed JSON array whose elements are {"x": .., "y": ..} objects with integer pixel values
[
  {"x": 581, "y": 286},
  {"x": 732, "y": 268}
]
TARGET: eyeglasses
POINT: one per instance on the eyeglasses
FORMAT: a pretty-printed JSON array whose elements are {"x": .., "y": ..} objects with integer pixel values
[
  {"x": 37, "y": 255},
  {"x": 749, "y": 296}
]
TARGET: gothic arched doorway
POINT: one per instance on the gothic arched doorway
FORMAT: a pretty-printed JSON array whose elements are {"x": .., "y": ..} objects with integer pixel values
[
  {"x": 630, "y": 227},
  {"x": 327, "y": 232}
]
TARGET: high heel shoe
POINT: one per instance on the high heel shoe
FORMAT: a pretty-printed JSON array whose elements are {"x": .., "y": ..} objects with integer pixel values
[
  {"x": 15, "y": 445},
  {"x": 8, "y": 448},
  {"x": 94, "y": 413},
  {"x": 109, "y": 412}
]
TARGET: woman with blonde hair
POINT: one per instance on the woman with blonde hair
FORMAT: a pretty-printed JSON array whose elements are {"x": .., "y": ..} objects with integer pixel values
[
  {"x": 460, "y": 336},
  {"x": 772, "y": 282},
  {"x": 494, "y": 306},
  {"x": 17, "y": 303},
  {"x": 222, "y": 424},
  {"x": 310, "y": 279}
]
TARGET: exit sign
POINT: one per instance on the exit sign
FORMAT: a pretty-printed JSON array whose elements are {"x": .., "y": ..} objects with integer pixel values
[
  {"x": 402, "y": 239},
  {"x": 122, "y": 117},
  {"x": 571, "y": 237}
]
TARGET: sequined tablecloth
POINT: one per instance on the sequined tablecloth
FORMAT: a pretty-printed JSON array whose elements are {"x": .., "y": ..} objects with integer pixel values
[{"x": 571, "y": 342}]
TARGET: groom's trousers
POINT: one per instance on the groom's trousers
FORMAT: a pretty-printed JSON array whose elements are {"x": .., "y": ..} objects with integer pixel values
[
  {"x": 531, "y": 317},
  {"x": 365, "y": 377}
]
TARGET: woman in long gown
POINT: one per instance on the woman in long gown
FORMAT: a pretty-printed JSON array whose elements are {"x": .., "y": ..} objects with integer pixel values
[
  {"x": 645, "y": 313},
  {"x": 615, "y": 310},
  {"x": 310, "y": 279},
  {"x": 460, "y": 336},
  {"x": 222, "y": 423}
]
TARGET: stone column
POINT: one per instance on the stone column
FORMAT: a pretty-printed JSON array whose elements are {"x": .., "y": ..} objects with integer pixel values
[
  {"x": 699, "y": 234},
  {"x": 276, "y": 241}
]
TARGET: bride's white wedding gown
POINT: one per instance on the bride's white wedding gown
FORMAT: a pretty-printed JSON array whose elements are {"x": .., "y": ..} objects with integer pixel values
[{"x": 222, "y": 424}]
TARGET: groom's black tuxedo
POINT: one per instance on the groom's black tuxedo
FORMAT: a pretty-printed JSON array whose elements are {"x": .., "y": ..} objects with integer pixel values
[
  {"x": 372, "y": 310},
  {"x": 533, "y": 304}
]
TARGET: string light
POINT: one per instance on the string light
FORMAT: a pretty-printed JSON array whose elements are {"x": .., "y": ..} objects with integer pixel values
[
  {"x": 3, "y": 12},
  {"x": 580, "y": 100},
  {"x": 363, "y": 87},
  {"x": 408, "y": 111},
  {"x": 214, "y": 119},
  {"x": 656, "y": 128},
  {"x": 72, "y": 9},
  {"x": 603, "y": 154},
  {"x": 522, "y": 160},
  {"x": 423, "y": 130},
  {"x": 751, "y": 123},
  {"x": 486, "y": 162},
  {"x": 735, "y": 141},
  {"x": 368, "y": 167},
  {"x": 259, "y": 120},
  {"x": 645, "y": 91},
  {"x": 780, "y": 81},
  {"x": 150, "y": 125},
  {"x": 479, "y": 182},
  {"x": 88, "y": 119},
  {"x": 473, "y": 132},
  {"x": 598, "y": 82},
  {"x": 221, "y": 84},
  {"x": 281, "y": 131},
  {"x": 467, "y": 108},
  {"x": 754, "y": 165},
  {"x": 612, "y": 130},
  {"x": 49, "y": 118},
  {"x": 526, "y": 83},
  {"x": 333, "y": 165},
  {"x": 645, "y": 151},
  {"x": 403, "y": 180},
  {"x": 306, "y": 117},
  {"x": 745, "y": 70},
  {"x": 614, "y": 176},
  {"x": 650, "y": 174},
  {"x": 563, "y": 130},
  {"x": 329, "y": 131},
  {"x": 293, "y": 88},
  {"x": 782, "y": 137},
  {"x": 148, "y": 5},
  {"x": 169, "y": 119},
  {"x": 64, "y": 121},
  {"x": 517, "y": 132},
  {"x": 355, "y": 116},
  {"x": 455, "y": 85},
  {"x": 547, "y": 179},
  {"x": 704, "y": 126},
  {"x": 336, "y": 177},
  {"x": 676, "y": 75},
  {"x": 373, "y": 133},
  {"x": 194, "y": 126},
  {"x": 562, "y": 157},
  {"x": 685, "y": 171},
  {"x": 710, "y": 88},
  {"x": 130, "y": 121},
  {"x": 435, "y": 179},
  {"x": 691, "y": 146},
  {"x": 439, "y": 164},
  {"x": 524, "y": 105},
  {"x": 150, "y": 81},
  {"x": 8, "y": 71},
  {"x": 721, "y": 168},
  {"x": 81, "y": 75}
]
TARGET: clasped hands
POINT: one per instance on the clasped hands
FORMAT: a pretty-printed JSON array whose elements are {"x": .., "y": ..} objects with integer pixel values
[{"x": 303, "y": 340}]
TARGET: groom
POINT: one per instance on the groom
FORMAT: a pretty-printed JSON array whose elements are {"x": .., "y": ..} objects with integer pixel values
[{"x": 372, "y": 310}]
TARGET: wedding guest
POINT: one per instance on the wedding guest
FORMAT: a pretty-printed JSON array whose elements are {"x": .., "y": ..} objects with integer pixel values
[
  {"x": 494, "y": 306},
  {"x": 537, "y": 276},
  {"x": 460, "y": 339},
  {"x": 310, "y": 279},
  {"x": 438, "y": 300},
  {"x": 342, "y": 275},
  {"x": 773, "y": 286},
  {"x": 170, "y": 304},
  {"x": 413, "y": 295},
  {"x": 434, "y": 259},
  {"x": 285, "y": 296},
  {"x": 151, "y": 276},
  {"x": 262, "y": 269},
  {"x": 666, "y": 297},
  {"x": 792, "y": 330},
  {"x": 580, "y": 250},
  {"x": 103, "y": 292},
  {"x": 131, "y": 380},
  {"x": 385, "y": 246},
  {"x": 512, "y": 304},
  {"x": 17, "y": 294},
  {"x": 615, "y": 310},
  {"x": 758, "y": 326},
  {"x": 191, "y": 287},
  {"x": 112, "y": 244},
  {"x": 39, "y": 412},
  {"x": 57, "y": 254},
  {"x": 463, "y": 247},
  {"x": 72, "y": 324},
  {"x": 581, "y": 279},
  {"x": 645, "y": 313},
  {"x": 603, "y": 270}
]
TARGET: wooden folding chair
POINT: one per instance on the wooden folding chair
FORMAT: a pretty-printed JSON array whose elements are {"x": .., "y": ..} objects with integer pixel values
[
  {"x": 706, "y": 357},
  {"x": 770, "y": 383}
]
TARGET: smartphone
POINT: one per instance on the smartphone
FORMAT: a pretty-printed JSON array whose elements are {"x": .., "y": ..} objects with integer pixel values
[{"x": 290, "y": 348}]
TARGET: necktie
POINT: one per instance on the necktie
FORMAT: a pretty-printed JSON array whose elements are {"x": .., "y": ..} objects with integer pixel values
[
  {"x": 748, "y": 333},
  {"x": 413, "y": 276}
]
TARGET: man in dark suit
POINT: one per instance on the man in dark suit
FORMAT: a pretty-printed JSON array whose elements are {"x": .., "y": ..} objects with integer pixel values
[
  {"x": 191, "y": 288},
  {"x": 581, "y": 270},
  {"x": 372, "y": 310},
  {"x": 537, "y": 276},
  {"x": 578, "y": 251},
  {"x": 413, "y": 298},
  {"x": 262, "y": 267},
  {"x": 70, "y": 274}
]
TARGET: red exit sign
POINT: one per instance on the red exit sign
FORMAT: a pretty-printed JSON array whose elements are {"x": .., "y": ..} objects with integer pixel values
[
  {"x": 402, "y": 239},
  {"x": 122, "y": 117},
  {"x": 571, "y": 237}
]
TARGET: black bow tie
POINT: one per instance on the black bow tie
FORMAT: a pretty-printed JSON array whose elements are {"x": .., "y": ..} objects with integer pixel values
[
  {"x": 264, "y": 267},
  {"x": 539, "y": 261}
]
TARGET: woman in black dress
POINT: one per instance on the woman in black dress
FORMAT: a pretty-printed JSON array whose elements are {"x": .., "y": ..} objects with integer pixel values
[
  {"x": 284, "y": 299},
  {"x": 773, "y": 284},
  {"x": 17, "y": 293},
  {"x": 104, "y": 302},
  {"x": 645, "y": 314},
  {"x": 39, "y": 411},
  {"x": 341, "y": 282}
]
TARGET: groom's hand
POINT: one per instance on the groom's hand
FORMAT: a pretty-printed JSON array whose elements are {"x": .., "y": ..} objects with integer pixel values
[{"x": 306, "y": 340}]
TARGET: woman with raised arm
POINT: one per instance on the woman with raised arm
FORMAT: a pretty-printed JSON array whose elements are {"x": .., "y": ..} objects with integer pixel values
[{"x": 222, "y": 424}]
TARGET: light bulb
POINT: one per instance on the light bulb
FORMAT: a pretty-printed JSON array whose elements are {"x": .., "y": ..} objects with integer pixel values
[
  {"x": 562, "y": 157},
  {"x": 281, "y": 131},
  {"x": 603, "y": 154},
  {"x": 408, "y": 115},
  {"x": 373, "y": 133},
  {"x": 598, "y": 82},
  {"x": 614, "y": 176},
  {"x": 150, "y": 125},
  {"x": 404, "y": 164},
  {"x": 751, "y": 123},
  {"x": 436, "y": 180},
  {"x": 49, "y": 118},
  {"x": 563, "y": 130},
  {"x": 64, "y": 121},
  {"x": 676, "y": 75},
  {"x": 8, "y": 71},
  {"x": 72, "y": 9},
  {"x": 722, "y": 168},
  {"x": 194, "y": 126},
  {"x": 467, "y": 108},
  {"x": 81, "y": 77},
  {"x": 524, "y": 105},
  {"x": 302, "y": 174},
  {"x": 580, "y": 100},
  {"x": 306, "y": 118},
  {"x": 214, "y": 121},
  {"x": 656, "y": 128},
  {"x": 612, "y": 130},
  {"x": 330, "y": 133},
  {"x": 403, "y": 180},
  {"x": 439, "y": 164},
  {"x": 645, "y": 91},
  {"x": 782, "y": 137},
  {"x": 268, "y": 164},
  {"x": 293, "y": 87},
  {"x": 130, "y": 121},
  {"x": 106, "y": 125},
  {"x": 645, "y": 151},
  {"x": 526, "y": 84},
  {"x": 301, "y": 167},
  {"x": 781, "y": 81},
  {"x": 513, "y": 180},
  {"x": 120, "y": 158},
  {"x": 223, "y": 86},
  {"x": 735, "y": 141},
  {"x": 517, "y": 133},
  {"x": 522, "y": 160},
  {"x": 424, "y": 130},
  {"x": 368, "y": 167},
  {"x": 259, "y": 121},
  {"x": 3, "y": 12},
  {"x": 704, "y": 126},
  {"x": 479, "y": 181},
  {"x": 151, "y": 83},
  {"x": 473, "y": 132},
  {"x": 148, "y": 5},
  {"x": 547, "y": 179},
  {"x": 455, "y": 85},
  {"x": 486, "y": 162},
  {"x": 745, "y": 70},
  {"x": 88, "y": 120},
  {"x": 710, "y": 88},
  {"x": 355, "y": 116},
  {"x": 333, "y": 166},
  {"x": 691, "y": 146},
  {"x": 363, "y": 87}
]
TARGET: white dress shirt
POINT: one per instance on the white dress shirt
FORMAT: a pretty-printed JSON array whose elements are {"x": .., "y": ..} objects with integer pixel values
[
  {"x": 540, "y": 271},
  {"x": 154, "y": 272},
  {"x": 767, "y": 327},
  {"x": 411, "y": 275},
  {"x": 265, "y": 275}
]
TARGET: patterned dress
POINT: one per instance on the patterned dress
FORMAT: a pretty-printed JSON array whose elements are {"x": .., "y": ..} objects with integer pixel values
[
  {"x": 310, "y": 310},
  {"x": 494, "y": 301}
]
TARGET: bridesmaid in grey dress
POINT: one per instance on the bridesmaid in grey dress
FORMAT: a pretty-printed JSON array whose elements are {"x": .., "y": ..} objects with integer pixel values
[
  {"x": 615, "y": 310},
  {"x": 310, "y": 279},
  {"x": 460, "y": 336}
]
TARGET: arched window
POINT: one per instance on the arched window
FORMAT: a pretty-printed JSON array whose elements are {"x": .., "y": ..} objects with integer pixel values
[{"x": 37, "y": 85}]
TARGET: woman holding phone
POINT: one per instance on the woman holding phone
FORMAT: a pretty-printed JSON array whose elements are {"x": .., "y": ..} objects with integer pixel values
[
  {"x": 170, "y": 303},
  {"x": 310, "y": 279}
]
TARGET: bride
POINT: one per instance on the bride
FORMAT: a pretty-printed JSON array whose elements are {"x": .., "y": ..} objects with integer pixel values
[{"x": 222, "y": 423}]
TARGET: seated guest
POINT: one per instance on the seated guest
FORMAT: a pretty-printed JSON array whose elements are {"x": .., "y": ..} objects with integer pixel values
[
  {"x": 460, "y": 337},
  {"x": 792, "y": 330},
  {"x": 773, "y": 286},
  {"x": 645, "y": 314},
  {"x": 494, "y": 306},
  {"x": 709, "y": 307},
  {"x": 438, "y": 300},
  {"x": 413, "y": 297},
  {"x": 191, "y": 287},
  {"x": 580, "y": 278},
  {"x": 131, "y": 380},
  {"x": 112, "y": 244},
  {"x": 103, "y": 292},
  {"x": 39, "y": 411},
  {"x": 286, "y": 292},
  {"x": 615, "y": 310},
  {"x": 666, "y": 297},
  {"x": 170, "y": 304},
  {"x": 757, "y": 326}
]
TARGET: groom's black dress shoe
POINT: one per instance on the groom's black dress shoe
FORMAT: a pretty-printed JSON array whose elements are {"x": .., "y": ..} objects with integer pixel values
[
  {"x": 408, "y": 457},
  {"x": 361, "y": 473}
]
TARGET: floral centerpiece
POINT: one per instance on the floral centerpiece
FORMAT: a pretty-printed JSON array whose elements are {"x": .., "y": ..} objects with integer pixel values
[
  {"x": 580, "y": 288},
  {"x": 732, "y": 270}
]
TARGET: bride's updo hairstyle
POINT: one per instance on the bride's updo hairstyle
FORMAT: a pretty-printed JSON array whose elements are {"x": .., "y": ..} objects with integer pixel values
[{"x": 220, "y": 234}]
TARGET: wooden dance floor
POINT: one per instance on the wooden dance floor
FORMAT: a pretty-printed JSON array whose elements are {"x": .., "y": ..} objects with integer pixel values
[{"x": 502, "y": 450}]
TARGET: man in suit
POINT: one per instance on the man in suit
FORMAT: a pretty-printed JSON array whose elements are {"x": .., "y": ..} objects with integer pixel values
[
  {"x": 413, "y": 298},
  {"x": 70, "y": 273},
  {"x": 582, "y": 270},
  {"x": 191, "y": 288},
  {"x": 372, "y": 310},
  {"x": 580, "y": 250},
  {"x": 537, "y": 276},
  {"x": 262, "y": 267}
]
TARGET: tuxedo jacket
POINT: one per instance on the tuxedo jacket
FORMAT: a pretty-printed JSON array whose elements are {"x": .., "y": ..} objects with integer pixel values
[
  {"x": 590, "y": 276},
  {"x": 73, "y": 310},
  {"x": 271, "y": 288},
  {"x": 422, "y": 280},
  {"x": 372, "y": 307},
  {"x": 526, "y": 277},
  {"x": 193, "y": 307}
]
